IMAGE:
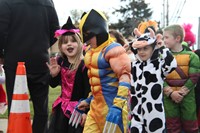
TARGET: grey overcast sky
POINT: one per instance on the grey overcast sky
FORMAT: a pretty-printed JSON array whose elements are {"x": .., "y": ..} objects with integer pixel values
[{"x": 187, "y": 11}]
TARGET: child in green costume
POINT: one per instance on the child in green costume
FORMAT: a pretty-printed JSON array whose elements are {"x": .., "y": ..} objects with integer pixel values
[{"x": 179, "y": 99}]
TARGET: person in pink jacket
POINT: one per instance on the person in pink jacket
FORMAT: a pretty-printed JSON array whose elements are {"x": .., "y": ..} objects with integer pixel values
[{"x": 68, "y": 71}]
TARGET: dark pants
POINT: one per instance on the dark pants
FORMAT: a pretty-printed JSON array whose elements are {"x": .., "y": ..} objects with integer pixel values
[
  {"x": 59, "y": 123},
  {"x": 38, "y": 85}
]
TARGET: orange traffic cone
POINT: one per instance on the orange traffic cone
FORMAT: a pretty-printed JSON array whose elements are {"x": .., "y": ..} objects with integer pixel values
[{"x": 19, "y": 119}]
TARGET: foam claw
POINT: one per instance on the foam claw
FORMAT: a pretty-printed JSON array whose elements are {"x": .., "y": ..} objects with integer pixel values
[
  {"x": 75, "y": 118},
  {"x": 109, "y": 129},
  {"x": 115, "y": 127},
  {"x": 78, "y": 121},
  {"x": 72, "y": 116},
  {"x": 104, "y": 130}
]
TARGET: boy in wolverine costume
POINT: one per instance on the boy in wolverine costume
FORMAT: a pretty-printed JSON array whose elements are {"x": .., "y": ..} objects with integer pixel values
[
  {"x": 179, "y": 99},
  {"x": 109, "y": 75}
]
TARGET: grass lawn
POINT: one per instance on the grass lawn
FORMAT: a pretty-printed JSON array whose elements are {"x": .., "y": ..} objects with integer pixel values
[{"x": 53, "y": 94}]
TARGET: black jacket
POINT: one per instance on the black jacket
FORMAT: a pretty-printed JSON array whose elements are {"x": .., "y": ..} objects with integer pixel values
[{"x": 26, "y": 32}]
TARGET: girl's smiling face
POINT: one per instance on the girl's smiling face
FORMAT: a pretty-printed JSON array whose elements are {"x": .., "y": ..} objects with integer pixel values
[
  {"x": 69, "y": 46},
  {"x": 145, "y": 52}
]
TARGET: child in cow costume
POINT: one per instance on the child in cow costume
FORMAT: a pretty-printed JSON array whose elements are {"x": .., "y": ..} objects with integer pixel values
[{"x": 153, "y": 64}]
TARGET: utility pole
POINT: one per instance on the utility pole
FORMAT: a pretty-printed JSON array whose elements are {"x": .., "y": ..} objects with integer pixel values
[
  {"x": 198, "y": 37},
  {"x": 167, "y": 14},
  {"x": 163, "y": 13}
]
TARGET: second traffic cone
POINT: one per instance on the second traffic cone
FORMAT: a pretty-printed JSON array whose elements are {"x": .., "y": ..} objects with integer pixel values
[{"x": 19, "y": 119}]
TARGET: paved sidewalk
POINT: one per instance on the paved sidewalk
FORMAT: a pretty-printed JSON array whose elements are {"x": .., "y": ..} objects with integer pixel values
[{"x": 3, "y": 125}]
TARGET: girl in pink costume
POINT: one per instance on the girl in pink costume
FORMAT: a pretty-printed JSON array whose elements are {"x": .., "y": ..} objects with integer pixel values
[{"x": 69, "y": 71}]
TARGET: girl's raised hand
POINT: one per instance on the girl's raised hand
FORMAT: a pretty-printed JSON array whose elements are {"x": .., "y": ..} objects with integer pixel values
[{"x": 54, "y": 68}]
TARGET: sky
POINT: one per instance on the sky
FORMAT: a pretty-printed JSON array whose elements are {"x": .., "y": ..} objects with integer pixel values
[
  {"x": 190, "y": 12},
  {"x": 63, "y": 7}
]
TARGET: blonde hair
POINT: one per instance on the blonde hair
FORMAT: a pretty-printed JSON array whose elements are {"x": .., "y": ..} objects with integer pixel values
[
  {"x": 79, "y": 54},
  {"x": 176, "y": 30}
]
